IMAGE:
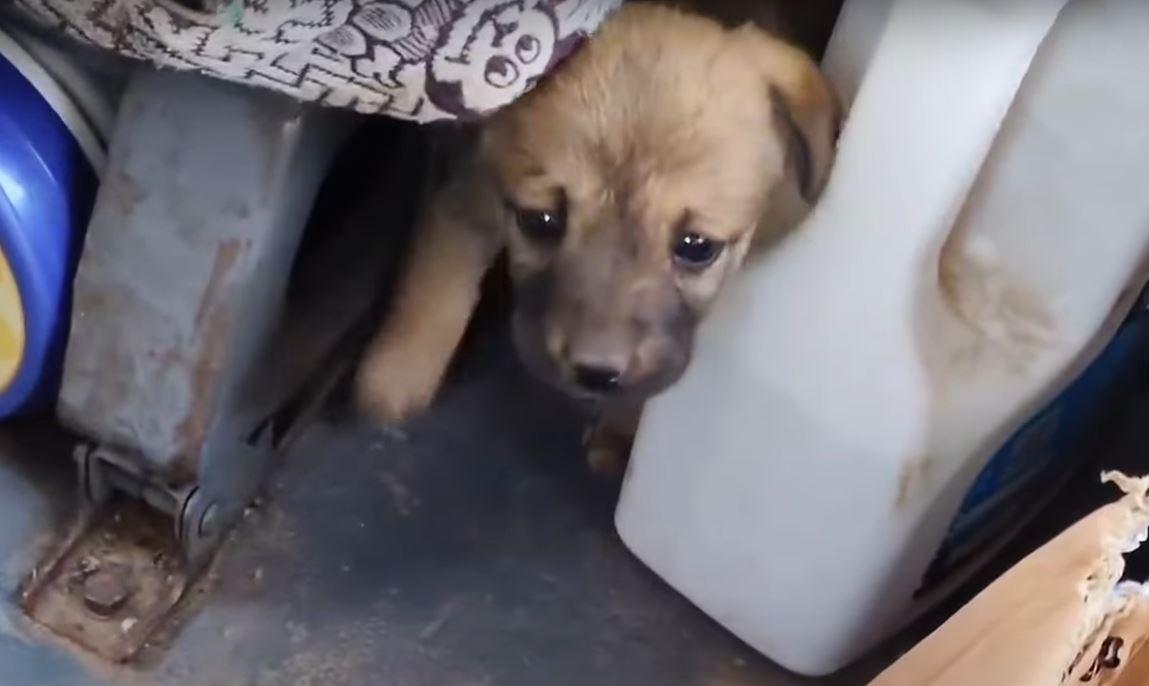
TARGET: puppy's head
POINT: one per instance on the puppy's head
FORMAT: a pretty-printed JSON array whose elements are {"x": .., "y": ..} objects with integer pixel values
[{"x": 635, "y": 181}]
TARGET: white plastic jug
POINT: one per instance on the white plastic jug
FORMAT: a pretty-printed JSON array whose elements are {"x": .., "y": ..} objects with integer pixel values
[{"x": 981, "y": 239}]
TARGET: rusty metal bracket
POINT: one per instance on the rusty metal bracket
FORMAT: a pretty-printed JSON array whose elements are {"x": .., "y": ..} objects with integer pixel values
[
  {"x": 104, "y": 474},
  {"x": 179, "y": 291},
  {"x": 124, "y": 568},
  {"x": 177, "y": 303}
]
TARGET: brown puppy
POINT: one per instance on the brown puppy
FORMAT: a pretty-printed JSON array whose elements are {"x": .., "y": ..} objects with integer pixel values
[{"x": 626, "y": 189}]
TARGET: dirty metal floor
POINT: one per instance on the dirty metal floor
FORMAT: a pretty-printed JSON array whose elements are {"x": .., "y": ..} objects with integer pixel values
[{"x": 470, "y": 548}]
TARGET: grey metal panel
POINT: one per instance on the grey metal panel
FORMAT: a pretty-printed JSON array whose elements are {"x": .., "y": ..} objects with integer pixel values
[{"x": 206, "y": 193}]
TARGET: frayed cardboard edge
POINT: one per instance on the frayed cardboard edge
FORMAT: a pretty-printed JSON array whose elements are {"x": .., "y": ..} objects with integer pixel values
[{"x": 1103, "y": 593}]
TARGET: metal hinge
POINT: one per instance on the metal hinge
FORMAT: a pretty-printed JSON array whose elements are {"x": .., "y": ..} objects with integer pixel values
[
  {"x": 138, "y": 546},
  {"x": 105, "y": 473}
]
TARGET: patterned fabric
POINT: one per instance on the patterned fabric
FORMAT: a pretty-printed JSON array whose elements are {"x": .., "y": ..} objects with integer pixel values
[{"x": 421, "y": 60}]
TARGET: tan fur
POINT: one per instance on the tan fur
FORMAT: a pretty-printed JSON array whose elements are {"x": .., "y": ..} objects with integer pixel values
[
  {"x": 664, "y": 123},
  {"x": 404, "y": 365}
]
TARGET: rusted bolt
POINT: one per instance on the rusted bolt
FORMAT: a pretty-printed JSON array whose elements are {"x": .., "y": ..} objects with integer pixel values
[{"x": 106, "y": 592}]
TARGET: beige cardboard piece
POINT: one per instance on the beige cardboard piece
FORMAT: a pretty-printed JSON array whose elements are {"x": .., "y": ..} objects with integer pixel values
[{"x": 1061, "y": 616}]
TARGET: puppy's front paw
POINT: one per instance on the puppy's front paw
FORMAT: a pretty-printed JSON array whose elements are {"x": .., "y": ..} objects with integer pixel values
[
  {"x": 392, "y": 385},
  {"x": 607, "y": 451}
]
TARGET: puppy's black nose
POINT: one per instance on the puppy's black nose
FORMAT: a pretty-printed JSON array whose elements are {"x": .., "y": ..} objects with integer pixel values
[{"x": 597, "y": 379}]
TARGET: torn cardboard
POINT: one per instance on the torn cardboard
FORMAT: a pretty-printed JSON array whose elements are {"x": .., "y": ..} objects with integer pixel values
[{"x": 1061, "y": 616}]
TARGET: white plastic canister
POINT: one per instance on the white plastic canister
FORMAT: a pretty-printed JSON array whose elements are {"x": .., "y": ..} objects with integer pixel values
[{"x": 980, "y": 241}]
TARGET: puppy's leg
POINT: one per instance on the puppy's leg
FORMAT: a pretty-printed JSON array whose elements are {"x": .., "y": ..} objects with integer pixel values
[
  {"x": 404, "y": 366},
  {"x": 608, "y": 441}
]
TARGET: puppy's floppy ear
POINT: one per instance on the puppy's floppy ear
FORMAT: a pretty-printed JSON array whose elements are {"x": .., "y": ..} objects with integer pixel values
[{"x": 806, "y": 111}]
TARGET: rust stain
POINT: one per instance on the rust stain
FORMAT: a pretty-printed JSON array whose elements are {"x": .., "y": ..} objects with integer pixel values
[
  {"x": 128, "y": 544},
  {"x": 1002, "y": 312},
  {"x": 913, "y": 478},
  {"x": 213, "y": 321},
  {"x": 225, "y": 256}
]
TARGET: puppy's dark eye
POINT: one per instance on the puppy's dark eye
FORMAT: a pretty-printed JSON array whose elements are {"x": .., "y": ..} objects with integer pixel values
[
  {"x": 696, "y": 252},
  {"x": 544, "y": 226}
]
